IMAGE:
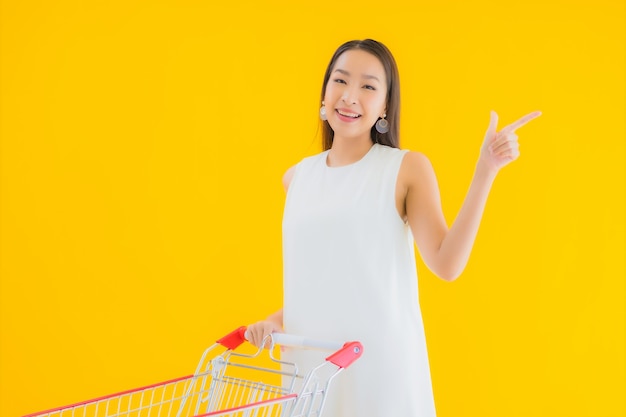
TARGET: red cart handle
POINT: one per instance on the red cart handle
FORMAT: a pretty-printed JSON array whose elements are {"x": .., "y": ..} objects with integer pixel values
[
  {"x": 344, "y": 357},
  {"x": 233, "y": 339}
]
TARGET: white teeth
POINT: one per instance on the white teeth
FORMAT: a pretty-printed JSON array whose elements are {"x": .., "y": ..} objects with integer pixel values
[{"x": 353, "y": 115}]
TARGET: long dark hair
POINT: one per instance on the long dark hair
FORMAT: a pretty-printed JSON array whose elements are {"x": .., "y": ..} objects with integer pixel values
[{"x": 383, "y": 54}]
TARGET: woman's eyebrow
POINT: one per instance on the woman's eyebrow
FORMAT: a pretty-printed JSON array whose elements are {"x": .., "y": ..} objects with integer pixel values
[{"x": 366, "y": 76}]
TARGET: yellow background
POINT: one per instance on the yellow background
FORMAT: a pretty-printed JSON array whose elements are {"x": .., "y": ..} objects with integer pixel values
[{"x": 143, "y": 143}]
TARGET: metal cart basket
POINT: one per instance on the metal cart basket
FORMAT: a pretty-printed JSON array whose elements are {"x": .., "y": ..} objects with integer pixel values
[{"x": 230, "y": 383}]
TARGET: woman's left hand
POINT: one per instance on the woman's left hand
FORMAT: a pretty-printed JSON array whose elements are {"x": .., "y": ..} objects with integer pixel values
[{"x": 501, "y": 148}]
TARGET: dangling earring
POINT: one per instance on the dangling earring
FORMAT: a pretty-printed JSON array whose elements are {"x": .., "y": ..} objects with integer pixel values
[
  {"x": 382, "y": 125},
  {"x": 323, "y": 112}
]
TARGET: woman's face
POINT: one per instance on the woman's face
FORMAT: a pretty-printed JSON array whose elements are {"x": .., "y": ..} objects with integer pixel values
[{"x": 355, "y": 95}]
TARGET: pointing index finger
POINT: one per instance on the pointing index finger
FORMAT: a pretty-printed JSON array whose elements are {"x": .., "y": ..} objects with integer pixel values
[{"x": 521, "y": 122}]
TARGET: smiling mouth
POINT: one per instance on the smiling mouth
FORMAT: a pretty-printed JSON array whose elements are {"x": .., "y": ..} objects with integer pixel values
[{"x": 347, "y": 114}]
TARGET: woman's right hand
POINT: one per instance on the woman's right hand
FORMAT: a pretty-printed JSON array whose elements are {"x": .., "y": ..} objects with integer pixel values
[{"x": 258, "y": 331}]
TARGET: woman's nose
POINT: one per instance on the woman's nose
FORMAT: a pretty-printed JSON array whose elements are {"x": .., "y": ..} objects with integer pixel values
[{"x": 348, "y": 97}]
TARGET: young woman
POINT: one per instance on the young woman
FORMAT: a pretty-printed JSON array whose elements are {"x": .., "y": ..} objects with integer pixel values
[{"x": 351, "y": 216}]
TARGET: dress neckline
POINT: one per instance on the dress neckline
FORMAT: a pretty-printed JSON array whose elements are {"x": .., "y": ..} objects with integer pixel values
[{"x": 355, "y": 163}]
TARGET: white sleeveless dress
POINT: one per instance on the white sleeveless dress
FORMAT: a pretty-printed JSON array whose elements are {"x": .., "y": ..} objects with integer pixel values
[{"x": 350, "y": 274}]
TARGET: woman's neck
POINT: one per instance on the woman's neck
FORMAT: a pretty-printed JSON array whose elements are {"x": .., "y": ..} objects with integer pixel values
[{"x": 347, "y": 151}]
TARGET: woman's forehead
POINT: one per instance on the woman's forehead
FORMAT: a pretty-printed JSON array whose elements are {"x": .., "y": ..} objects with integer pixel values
[{"x": 359, "y": 63}]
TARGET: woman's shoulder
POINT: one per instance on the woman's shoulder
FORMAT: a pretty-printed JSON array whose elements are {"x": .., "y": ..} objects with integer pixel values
[
  {"x": 306, "y": 161},
  {"x": 410, "y": 159},
  {"x": 415, "y": 158},
  {"x": 415, "y": 167},
  {"x": 288, "y": 176},
  {"x": 400, "y": 152}
]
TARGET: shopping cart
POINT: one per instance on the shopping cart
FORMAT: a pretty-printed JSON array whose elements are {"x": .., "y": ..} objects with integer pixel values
[{"x": 229, "y": 383}]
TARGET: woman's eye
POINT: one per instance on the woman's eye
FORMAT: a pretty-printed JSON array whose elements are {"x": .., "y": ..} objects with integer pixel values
[
  {"x": 369, "y": 87},
  {"x": 339, "y": 80}
]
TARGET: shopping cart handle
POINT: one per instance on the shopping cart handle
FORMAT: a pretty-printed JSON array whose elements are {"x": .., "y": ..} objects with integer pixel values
[
  {"x": 344, "y": 357},
  {"x": 233, "y": 339},
  {"x": 285, "y": 339}
]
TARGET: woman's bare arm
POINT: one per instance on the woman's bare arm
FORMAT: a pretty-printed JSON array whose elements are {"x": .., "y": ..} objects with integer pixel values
[{"x": 447, "y": 250}]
